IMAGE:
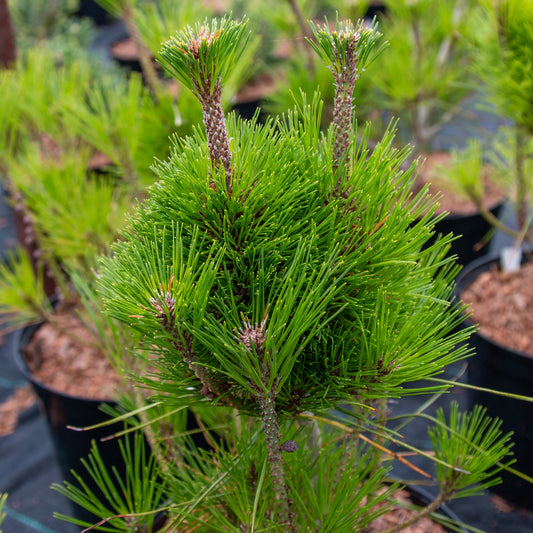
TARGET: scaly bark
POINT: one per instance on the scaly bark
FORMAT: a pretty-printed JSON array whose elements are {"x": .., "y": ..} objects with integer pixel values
[{"x": 267, "y": 406}]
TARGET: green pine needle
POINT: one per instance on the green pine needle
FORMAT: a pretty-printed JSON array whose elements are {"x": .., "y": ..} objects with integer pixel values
[{"x": 200, "y": 56}]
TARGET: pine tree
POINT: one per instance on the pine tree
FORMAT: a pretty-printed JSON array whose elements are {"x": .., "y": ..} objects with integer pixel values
[{"x": 280, "y": 271}]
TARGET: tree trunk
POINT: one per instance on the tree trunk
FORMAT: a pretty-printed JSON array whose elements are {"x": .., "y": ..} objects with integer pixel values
[{"x": 7, "y": 37}]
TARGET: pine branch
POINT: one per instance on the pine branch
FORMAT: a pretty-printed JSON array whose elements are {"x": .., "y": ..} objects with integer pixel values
[
  {"x": 346, "y": 50},
  {"x": 201, "y": 59}
]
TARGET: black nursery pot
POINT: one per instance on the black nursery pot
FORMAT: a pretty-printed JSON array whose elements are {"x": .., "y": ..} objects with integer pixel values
[
  {"x": 499, "y": 368},
  {"x": 375, "y": 9},
  {"x": 248, "y": 109},
  {"x": 61, "y": 411},
  {"x": 91, "y": 9},
  {"x": 472, "y": 229}
]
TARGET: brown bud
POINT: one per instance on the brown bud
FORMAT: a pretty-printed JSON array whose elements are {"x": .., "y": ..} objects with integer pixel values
[{"x": 289, "y": 446}]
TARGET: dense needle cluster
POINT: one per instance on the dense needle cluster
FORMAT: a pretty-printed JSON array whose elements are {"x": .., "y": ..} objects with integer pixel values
[
  {"x": 201, "y": 58},
  {"x": 346, "y": 51},
  {"x": 283, "y": 299}
]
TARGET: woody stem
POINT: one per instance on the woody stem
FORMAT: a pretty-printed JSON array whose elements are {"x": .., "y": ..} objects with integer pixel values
[{"x": 267, "y": 405}]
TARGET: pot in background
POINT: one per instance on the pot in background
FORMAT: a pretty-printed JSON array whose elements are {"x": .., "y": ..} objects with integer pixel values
[
  {"x": 61, "y": 411},
  {"x": 471, "y": 231},
  {"x": 498, "y": 367}
]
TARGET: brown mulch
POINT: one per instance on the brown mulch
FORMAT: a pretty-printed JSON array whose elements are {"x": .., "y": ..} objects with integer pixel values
[
  {"x": 502, "y": 305},
  {"x": 401, "y": 515},
  {"x": 504, "y": 506},
  {"x": 125, "y": 49},
  {"x": 99, "y": 161},
  {"x": 10, "y": 409},
  {"x": 258, "y": 88},
  {"x": 55, "y": 359},
  {"x": 65, "y": 358},
  {"x": 451, "y": 201},
  {"x": 501, "y": 505},
  {"x": 21, "y": 399}
]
